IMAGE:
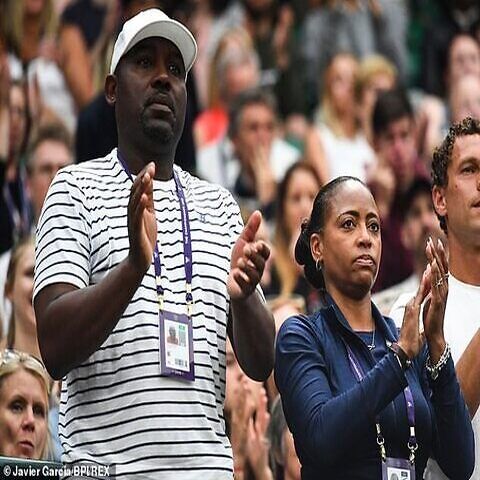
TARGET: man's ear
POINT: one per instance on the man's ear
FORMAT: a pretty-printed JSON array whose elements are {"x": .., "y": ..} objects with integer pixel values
[
  {"x": 111, "y": 89},
  {"x": 439, "y": 200},
  {"x": 316, "y": 246}
]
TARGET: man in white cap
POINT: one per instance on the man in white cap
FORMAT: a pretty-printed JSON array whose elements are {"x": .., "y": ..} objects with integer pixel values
[{"x": 130, "y": 248}]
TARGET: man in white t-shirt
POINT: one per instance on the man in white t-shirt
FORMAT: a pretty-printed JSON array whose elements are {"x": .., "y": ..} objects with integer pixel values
[
  {"x": 456, "y": 198},
  {"x": 252, "y": 159},
  {"x": 149, "y": 407}
]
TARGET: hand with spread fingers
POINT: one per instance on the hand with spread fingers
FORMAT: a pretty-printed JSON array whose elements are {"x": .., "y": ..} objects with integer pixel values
[
  {"x": 247, "y": 261},
  {"x": 410, "y": 339},
  {"x": 142, "y": 223},
  {"x": 433, "y": 290},
  {"x": 434, "y": 310}
]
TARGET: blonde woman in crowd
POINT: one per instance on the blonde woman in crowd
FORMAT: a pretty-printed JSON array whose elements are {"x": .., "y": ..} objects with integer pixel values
[
  {"x": 375, "y": 74},
  {"x": 336, "y": 144},
  {"x": 22, "y": 330},
  {"x": 21, "y": 334},
  {"x": 57, "y": 78},
  {"x": 295, "y": 198},
  {"x": 24, "y": 392}
]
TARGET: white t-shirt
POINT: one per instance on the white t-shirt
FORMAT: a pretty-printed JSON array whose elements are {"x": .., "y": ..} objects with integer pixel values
[
  {"x": 217, "y": 162},
  {"x": 115, "y": 408},
  {"x": 462, "y": 321},
  {"x": 346, "y": 156}
]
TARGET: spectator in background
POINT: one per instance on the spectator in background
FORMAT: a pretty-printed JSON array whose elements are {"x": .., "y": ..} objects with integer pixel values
[
  {"x": 88, "y": 30},
  {"x": 295, "y": 196},
  {"x": 24, "y": 390},
  {"x": 283, "y": 457},
  {"x": 447, "y": 19},
  {"x": 361, "y": 28},
  {"x": 234, "y": 68},
  {"x": 398, "y": 165},
  {"x": 270, "y": 24},
  {"x": 246, "y": 419},
  {"x": 456, "y": 198},
  {"x": 15, "y": 215},
  {"x": 435, "y": 114},
  {"x": 465, "y": 98},
  {"x": 38, "y": 57},
  {"x": 336, "y": 144},
  {"x": 252, "y": 160},
  {"x": 419, "y": 222},
  {"x": 29, "y": 29},
  {"x": 375, "y": 74},
  {"x": 49, "y": 151},
  {"x": 22, "y": 330}
]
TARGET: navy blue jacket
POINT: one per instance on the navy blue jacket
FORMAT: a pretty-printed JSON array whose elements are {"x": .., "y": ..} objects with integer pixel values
[{"x": 332, "y": 416}]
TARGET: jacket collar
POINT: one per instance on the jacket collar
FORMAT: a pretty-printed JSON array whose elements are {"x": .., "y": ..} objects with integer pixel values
[{"x": 336, "y": 319}]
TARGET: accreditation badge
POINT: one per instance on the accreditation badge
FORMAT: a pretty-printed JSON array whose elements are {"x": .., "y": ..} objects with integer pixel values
[
  {"x": 397, "y": 469},
  {"x": 176, "y": 346}
]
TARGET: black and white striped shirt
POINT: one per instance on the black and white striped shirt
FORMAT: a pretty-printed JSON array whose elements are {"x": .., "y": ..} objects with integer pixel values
[{"x": 115, "y": 408}]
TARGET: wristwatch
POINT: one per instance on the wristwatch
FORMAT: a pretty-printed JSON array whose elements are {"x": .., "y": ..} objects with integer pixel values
[{"x": 402, "y": 357}]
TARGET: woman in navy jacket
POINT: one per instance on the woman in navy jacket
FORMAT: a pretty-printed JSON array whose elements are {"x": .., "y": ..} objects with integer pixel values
[{"x": 362, "y": 400}]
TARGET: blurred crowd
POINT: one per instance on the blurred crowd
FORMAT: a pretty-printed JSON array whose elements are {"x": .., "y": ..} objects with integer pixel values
[{"x": 284, "y": 96}]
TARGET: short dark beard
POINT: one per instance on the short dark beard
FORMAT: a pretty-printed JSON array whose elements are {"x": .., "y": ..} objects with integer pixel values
[{"x": 161, "y": 135}]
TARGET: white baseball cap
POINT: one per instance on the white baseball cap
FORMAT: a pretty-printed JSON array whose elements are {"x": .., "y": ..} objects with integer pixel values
[{"x": 154, "y": 23}]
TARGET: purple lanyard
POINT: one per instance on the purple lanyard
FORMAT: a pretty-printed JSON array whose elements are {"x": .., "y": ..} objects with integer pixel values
[
  {"x": 412, "y": 440},
  {"x": 187, "y": 244}
]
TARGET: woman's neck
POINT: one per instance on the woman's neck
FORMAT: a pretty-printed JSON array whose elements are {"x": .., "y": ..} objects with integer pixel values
[
  {"x": 358, "y": 312},
  {"x": 31, "y": 37},
  {"x": 348, "y": 124}
]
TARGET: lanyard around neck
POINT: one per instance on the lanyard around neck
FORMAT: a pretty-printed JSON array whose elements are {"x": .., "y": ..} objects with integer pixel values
[
  {"x": 187, "y": 243},
  {"x": 412, "y": 440}
]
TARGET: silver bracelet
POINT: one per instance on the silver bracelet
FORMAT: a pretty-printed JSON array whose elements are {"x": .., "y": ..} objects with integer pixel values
[{"x": 434, "y": 370}]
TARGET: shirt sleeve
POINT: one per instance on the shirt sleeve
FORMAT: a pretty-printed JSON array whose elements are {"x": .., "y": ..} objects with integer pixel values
[
  {"x": 62, "y": 250},
  {"x": 454, "y": 447},
  {"x": 327, "y": 428}
]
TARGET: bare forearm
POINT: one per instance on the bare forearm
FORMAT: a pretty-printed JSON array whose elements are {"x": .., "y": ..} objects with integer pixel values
[
  {"x": 253, "y": 336},
  {"x": 4, "y": 131},
  {"x": 72, "y": 326},
  {"x": 76, "y": 66},
  {"x": 468, "y": 373}
]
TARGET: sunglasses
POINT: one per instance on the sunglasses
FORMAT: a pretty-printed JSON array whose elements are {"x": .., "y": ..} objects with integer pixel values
[{"x": 8, "y": 356}]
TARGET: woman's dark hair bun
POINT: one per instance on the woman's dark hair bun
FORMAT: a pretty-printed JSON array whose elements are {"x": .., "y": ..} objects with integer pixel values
[{"x": 302, "y": 247}]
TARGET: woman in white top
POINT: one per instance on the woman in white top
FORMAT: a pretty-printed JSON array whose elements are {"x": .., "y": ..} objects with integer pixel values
[{"x": 336, "y": 145}]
